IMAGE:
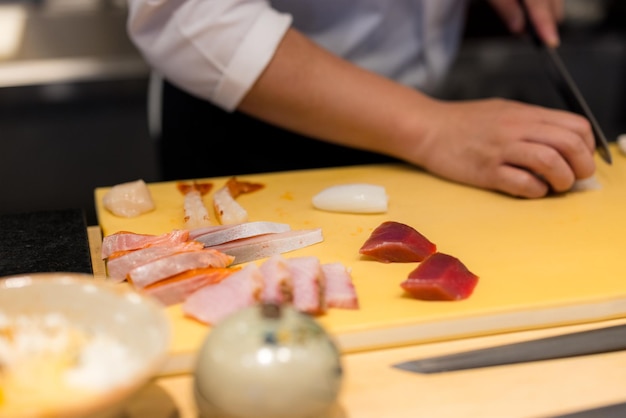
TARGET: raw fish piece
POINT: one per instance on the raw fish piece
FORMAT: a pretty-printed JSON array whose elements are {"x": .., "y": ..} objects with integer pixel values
[
  {"x": 267, "y": 245},
  {"x": 196, "y": 213},
  {"x": 278, "y": 286},
  {"x": 214, "y": 302},
  {"x": 352, "y": 198},
  {"x": 227, "y": 209},
  {"x": 590, "y": 183},
  {"x": 621, "y": 143},
  {"x": 119, "y": 266},
  {"x": 227, "y": 233},
  {"x": 395, "y": 242},
  {"x": 128, "y": 241},
  {"x": 170, "y": 265},
  {"x": 129, "y": 199},
  {"x": 308, "y": 284},
  {"x": 340, "y": 291},
  {"x": 440, "y": 277},
  {"x": 209, "y": 229},
  {"x": 177, "y": 288}
]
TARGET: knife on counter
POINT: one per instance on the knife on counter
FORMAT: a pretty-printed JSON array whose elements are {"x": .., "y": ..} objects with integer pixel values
[
  {"x": 581, "y": 343},
  {"x": 567, "y": 87}
]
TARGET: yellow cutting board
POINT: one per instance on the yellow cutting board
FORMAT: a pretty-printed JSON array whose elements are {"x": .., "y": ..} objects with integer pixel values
[{"x": 546, "y": 262}]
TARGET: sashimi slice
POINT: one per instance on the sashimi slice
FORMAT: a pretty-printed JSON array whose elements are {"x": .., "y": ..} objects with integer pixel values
[
  {"x": 440, "y": 277},
  {"x": 196, "y": 232},
  {"x": 278, "y": 286},
  {"x": 308, "y": 284},
  {"x": 214, "y": 302},
  {"x": 171, "y": 265},
  {"x": 339, "y": 290},
  {"x": 118, "y": 267},
  {"x": 129, "y": 199},
  {"x": 196, "y": 213},
  {"x": 127, "y": 241},
  {"x": 177, "y": 288},
  {"x": 262, "y": 246},
  {"x": 234, "y": 232},
  {"x": 395, "y": 242},
  {"x": 227, "y": 209}
]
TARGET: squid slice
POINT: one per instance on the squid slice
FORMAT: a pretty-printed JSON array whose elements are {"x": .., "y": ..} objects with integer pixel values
[{"x": 352, "y": 198}]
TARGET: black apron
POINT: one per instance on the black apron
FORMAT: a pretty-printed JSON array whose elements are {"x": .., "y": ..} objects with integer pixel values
[{"x": 198, "y": 139}]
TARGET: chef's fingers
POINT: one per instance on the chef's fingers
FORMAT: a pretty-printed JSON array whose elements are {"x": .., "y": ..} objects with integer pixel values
[
  {"x": 545, "y": 162},
  {"x": 511, "y": 14},
  {"x": 573, "y": 122},
  {"x": 517, "y": 181},
  {"x": 568, "y": 144},
  {"x": 544, "y": 14}
]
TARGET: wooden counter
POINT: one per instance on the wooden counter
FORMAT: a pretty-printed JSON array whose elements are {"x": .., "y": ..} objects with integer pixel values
[{"x": 373, "y": 389}]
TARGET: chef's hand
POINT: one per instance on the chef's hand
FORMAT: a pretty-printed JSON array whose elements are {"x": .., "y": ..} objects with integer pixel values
[
  {"x": 507, "y": 146},
  {"x": 519, "y": 149},
  {"x": 545, "y": 15}
]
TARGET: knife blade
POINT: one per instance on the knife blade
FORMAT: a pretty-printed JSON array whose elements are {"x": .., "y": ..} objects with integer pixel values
[
  {"x": 617, "y": 410},
  {"x": 581, "y": 343},
  {"x": 567, "y": 87}
]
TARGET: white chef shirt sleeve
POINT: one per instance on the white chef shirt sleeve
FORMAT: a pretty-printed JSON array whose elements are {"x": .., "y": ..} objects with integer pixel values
[{"x": 213, "y": 49}]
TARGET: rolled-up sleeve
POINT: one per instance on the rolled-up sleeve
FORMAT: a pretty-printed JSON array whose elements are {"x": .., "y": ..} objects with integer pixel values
[{"x": 213, "y": 49}]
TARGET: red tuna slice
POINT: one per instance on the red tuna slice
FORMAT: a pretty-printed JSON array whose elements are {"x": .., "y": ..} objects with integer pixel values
[
  {"x": 394, "y": 242},
  {"x": 212, "y": 303},
  {"x": 440, "y": 277}
]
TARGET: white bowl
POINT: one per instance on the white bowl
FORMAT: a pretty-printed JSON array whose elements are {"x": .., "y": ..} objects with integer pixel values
[{"x": 135, "y": 324}]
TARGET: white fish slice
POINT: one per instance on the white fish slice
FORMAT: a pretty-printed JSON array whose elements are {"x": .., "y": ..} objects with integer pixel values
[
  {"x": 226, "y": 233},
  {"x": 262, "y": 246}
]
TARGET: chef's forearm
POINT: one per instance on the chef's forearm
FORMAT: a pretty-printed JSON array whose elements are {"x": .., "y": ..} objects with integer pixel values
[{"x": 311, "y": 91}]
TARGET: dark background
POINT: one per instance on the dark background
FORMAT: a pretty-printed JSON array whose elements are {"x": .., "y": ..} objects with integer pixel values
[{"x": 73, "y": 127}]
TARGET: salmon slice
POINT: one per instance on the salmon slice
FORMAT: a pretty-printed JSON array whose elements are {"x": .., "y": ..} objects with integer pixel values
[
  {"x": 127, "y": 241},
  {"x": 171, "y": 265},
  {"x": 119, "y": 267},
  {"x": 177, "y": 288}
]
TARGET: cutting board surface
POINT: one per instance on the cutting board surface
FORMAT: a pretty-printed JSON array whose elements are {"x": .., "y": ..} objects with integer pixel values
[{"x": 541, "y": 263}]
